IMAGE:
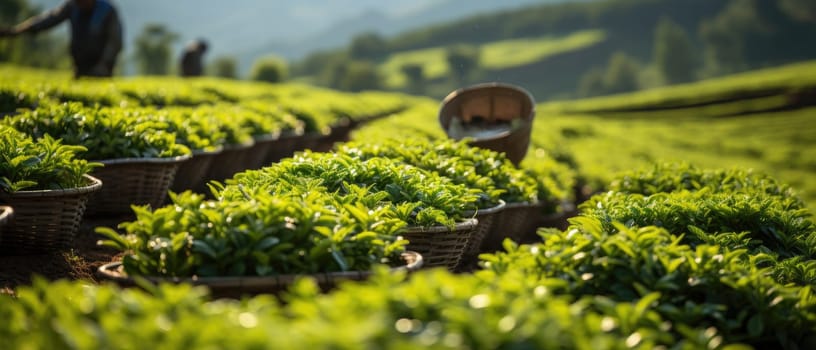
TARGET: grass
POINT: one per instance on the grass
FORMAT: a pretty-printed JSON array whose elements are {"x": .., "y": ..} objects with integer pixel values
[{"x": 494, "y": 56}]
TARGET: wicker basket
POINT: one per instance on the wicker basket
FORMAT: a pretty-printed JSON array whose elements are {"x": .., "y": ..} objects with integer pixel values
[
  {"x": 516, "y": 221},
  {"x": 441, "y": 245},
  {"x": 46, "y": 220},
  {"x": 231, "y": 160},
  {"x": 487, "y": 224},
  {"x": 192, "y": 173},
  {"x": 484, "y": 106},
  {"x": 285, "y": 147},
  {"x": 237, "y": 287},
  {"x": 256, "y": 155},
  {"x": 128, "y": 181},
  {"x": 5, "y": 214},
  {"x": 315, "y": 141}
]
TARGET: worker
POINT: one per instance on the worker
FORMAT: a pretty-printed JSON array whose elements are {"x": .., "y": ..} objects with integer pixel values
[
  {"x": 192, "y": 59},
  {"x": 96, "y": 34}
]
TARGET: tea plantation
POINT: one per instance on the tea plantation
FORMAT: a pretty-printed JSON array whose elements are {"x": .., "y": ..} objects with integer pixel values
[{"x": 693, "y": 229}]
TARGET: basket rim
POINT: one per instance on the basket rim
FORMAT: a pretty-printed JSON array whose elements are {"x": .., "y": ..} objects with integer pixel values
[
  {"x": 6, "y": 212},
  {"x": 204, "y": 152},
  {"x": 134, "y": 160},
  {"x": 113, "y": 271},
  {"x": 267, "y": 137},
  {"x": 515, "y": 205},
  {"x": 94, "y": 185},
  {"x": 239, "y": 146},
  {"x": 467, "y": 224},
  {"x": 487, "y": 211},
  {"x": 489, "y": 85},
  {"x": 484, "y": 86}
]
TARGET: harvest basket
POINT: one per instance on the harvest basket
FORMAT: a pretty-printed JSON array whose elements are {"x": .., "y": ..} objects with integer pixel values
[
  {"x": 487, "y": 223},
  {"x": 285, "y": 147},
  {"x": 5, "y": 214},
  {"x": 231, "y": 160},
  {"x": 515, "y": 221},
  {"x": 237, "y": 287},
  {"x": 441, "y": 245},
  {"x": 341, "y": 131},
  {"x": 315, "y": 141},
  {"x": 128, "y": 181},
  {"x": 192, "y": 173},
  {"x": 558, "y": 220},
  {"x": 44, "y": 220},
  {"x": 494, "y": 116},
  {"x": 256, "y": 155}
]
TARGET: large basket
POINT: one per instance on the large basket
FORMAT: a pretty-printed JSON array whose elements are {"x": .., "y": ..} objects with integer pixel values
[
  {"x": 128, "y": 181},
  {"x": 256, "y": 155},
  {"x": 441, "y": 245},
  {"x": 285, "y": 147},
  {"x": 494, "y": 116},
  {"x": 192, "y": 173},
  {"x": 5, "y": 214},
  {"x": 237, "y": 287},
  {"x": 515, "y": 221},
  {"x": 45, "y": 220},
  {"x": 231, "y": 160},
  {"x": 315, "y": 141},
  {"x": 487, "y": 223}
]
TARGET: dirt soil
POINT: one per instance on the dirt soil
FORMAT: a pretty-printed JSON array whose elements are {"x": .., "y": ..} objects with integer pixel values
[{"x": 77, "y": 263}]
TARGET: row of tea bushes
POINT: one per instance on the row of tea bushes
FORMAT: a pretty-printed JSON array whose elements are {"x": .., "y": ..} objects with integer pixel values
[
  {"x": 442, "y": 191},
  {"x": 267, "y": 235},
  {"x": 319, "y": 109},
  {"x": 433, "y": 309},
  {"x": 729, "y": 249},
  {"x": 313, "y": 213}
]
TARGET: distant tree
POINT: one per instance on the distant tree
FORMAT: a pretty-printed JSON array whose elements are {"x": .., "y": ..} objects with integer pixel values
[
  {"x": 463, "y": 61},
  {"x": 368, "y": 46},
  {"x": 359, "y": 76},
  {"x": 674, "y": 54},
  {"x": 153, "y": 50},
  {"x": 726, "y": 35},
  {"x": 224, "y": 67},
  {"x": 414, "y": 72},
  {"x": 592, "y": 83},
  {"x": 621, "y": 74},
  {"x": 272, "y": 69},
  {"x": 800, "y": 10}
]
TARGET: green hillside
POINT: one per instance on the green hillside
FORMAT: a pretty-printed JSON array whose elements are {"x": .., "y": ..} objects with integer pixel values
[
  {"x": 496, "y": 55},
  {"x": 554, "y": 50},
  {"x": 763, "y": 120}
]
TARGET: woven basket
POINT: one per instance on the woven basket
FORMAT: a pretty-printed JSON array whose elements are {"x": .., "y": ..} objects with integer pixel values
[
  {"x": 315, "y": 141},
  {"x": 285, "y": 147},
  {"x": 237, "y": 287},
  {"x": 515, "y": 222},
  {"x": 192, "y": 173},
  {"x": 128, "y": 181},
  {"x": 441, "y": 245},
  {"x": 256, "y": 155},
  {"x": 489, "y": 104},
  {"x": 45, "y": 220},
  {"x": 231, "y": 160},
  {"x": 487, "y": 223},
  {"x": 341, "y": 132},
  {"x": 5, "y": 214}
]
